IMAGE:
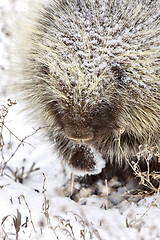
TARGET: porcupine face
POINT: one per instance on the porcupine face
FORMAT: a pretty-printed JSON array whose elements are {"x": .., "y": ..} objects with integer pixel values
[
  {"x": 85, "y": 117},
  {"x": 86, "y": 84}
]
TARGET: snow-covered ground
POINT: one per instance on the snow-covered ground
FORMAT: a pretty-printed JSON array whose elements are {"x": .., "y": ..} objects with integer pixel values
[{"x": 32, "y": 181}]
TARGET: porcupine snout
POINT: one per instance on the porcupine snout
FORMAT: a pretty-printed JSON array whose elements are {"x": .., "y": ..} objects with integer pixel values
[
  {"x": 79, "y": 135},
  {"x": 85, "y": 125},
  {"x": 78, "y": 128}
]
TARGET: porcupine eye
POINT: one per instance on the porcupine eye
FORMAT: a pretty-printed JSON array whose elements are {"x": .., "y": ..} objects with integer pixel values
[
  {"x": 118, "y": 73},
  {"x": 103, "y": 118}
]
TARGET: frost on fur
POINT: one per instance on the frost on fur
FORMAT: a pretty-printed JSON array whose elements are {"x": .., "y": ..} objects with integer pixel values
[{"x": 91, "y": 75}]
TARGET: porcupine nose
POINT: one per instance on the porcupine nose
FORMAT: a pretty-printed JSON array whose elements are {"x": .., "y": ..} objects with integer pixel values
[{"x": 80, "y": 136}]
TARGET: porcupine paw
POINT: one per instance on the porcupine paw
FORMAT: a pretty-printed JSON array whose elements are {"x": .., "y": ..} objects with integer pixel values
[{"x": 83, "y": 160}]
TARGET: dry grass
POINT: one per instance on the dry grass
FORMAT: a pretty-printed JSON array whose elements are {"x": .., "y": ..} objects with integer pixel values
[
  {"x": 19, "y": 174},
  {"x": 147, "y": 178}
]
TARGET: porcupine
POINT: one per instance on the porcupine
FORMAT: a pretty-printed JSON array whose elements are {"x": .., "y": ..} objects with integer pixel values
[{"x": 91, "y": 75}]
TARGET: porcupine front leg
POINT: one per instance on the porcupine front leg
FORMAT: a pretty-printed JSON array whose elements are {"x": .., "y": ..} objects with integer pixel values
[
  {"x": 81, "y": 159},
  {"x": 77, "y": 157}
]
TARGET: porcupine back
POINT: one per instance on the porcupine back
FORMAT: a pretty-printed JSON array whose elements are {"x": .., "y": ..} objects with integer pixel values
[{"x": 91, "y": 74}]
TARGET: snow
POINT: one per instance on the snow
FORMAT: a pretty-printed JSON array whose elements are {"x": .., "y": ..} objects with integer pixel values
[{"x": 39, "y": 202}]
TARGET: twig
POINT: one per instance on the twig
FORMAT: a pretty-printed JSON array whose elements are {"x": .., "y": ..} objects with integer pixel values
[{"x": 23, "y": 198}]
